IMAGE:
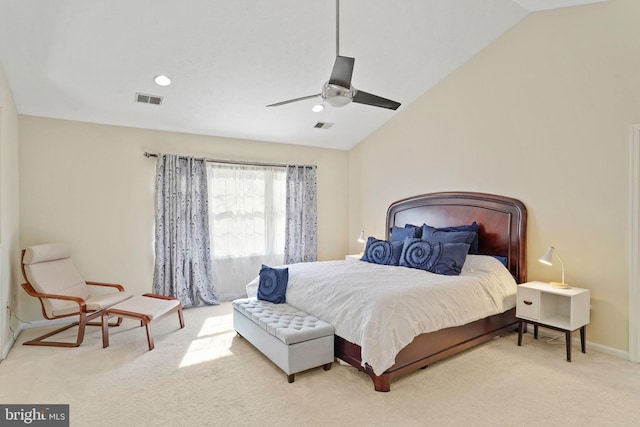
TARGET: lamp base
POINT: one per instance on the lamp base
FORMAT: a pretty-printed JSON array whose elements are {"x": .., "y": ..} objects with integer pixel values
[{"x": 559, "y": 285}]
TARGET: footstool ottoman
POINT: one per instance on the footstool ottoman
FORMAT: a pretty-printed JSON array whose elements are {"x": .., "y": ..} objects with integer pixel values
[{"x": 146, "y": 308}]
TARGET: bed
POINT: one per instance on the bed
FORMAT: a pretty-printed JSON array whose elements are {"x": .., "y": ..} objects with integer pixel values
[{"x": 392, "y": 341}]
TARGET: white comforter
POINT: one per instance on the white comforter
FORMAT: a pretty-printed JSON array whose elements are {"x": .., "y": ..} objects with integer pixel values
[{"x": 383, "y": 308}]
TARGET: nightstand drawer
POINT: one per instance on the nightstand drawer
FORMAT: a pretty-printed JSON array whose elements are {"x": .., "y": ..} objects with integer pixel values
[{"x": 528, "y": 304}]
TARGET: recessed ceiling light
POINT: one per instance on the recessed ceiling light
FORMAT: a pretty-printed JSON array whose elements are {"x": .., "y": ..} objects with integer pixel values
[
  {"x": 317, "y": 108},
  {"x": 162, "y": 80}
]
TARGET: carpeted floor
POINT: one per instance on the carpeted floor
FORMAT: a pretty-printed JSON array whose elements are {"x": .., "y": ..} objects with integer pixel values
[{"x": 205, "y": 375}]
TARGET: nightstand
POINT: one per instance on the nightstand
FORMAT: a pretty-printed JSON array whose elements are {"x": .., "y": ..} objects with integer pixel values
[
  {"x": 561, "y": 309},
  {"x": 354, "y": 256}
]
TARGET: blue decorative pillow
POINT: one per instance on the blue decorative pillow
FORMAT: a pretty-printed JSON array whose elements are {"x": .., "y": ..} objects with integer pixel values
[
  {"x": 451, "y": 261},
  {"x": 272, "y": 286},
  {"x": 398, "y": 234},
  {"x": 417, "y": 253},
  {"x": 382, "y": 252},
  {"x": 436, "y": 257},
  {"x": 433, "y": 234},
  {"x": 468, "y": 227}
]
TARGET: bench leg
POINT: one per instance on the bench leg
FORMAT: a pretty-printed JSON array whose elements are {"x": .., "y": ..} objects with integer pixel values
[{"x": 291, "y": 378}]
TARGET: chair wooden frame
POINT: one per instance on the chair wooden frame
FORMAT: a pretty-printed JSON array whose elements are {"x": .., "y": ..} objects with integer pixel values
[{"x": 84, "y": 316}]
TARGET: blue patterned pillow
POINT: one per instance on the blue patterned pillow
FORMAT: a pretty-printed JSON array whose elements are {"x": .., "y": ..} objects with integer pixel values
[
  {"x": 382, "y": 252},
  {"x": 272, "y": 286},
  {"x": 417, "y": 253},
  {"x": 433, "y": 234},
  {"x": 398, "y": 234},
  {"x": 436, "y": 257}
]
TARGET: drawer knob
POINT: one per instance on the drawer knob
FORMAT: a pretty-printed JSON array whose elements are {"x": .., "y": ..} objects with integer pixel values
[{"x": 527, "y": 302}]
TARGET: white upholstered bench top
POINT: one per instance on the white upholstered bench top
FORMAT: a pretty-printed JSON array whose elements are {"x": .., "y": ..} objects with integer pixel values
[{"x": 283, "y": 321}]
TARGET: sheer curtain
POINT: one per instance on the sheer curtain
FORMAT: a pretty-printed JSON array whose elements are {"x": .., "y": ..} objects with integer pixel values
[
  {"x": 301, "y": 243},
  {"x": 182, "y": 248},
  {"x": 247, "y": 223}
]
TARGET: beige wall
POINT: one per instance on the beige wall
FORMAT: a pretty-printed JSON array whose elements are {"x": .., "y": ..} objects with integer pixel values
[
  {"x": 9, "y": 221},
  {"x": 543, "y": 115},
  {"x": 91, "y": 185}
]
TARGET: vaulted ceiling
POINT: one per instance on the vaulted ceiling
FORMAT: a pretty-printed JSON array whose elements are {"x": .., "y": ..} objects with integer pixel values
[{"x": 228, "y": 59}]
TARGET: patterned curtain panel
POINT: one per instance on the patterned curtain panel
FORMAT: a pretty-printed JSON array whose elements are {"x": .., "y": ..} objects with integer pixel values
[
  {"x": 301, "y": 244},
  {"x": 182, "y": 259}
]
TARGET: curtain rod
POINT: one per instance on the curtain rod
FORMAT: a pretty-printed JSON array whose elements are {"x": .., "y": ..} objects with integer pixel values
[{"x": 237, "y": 162}]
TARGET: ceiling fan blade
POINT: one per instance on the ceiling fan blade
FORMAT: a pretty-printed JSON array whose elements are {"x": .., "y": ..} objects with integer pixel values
[
  {"x": 277, "y": 104},
  {"x": 342, "y": 71},
  {"x": 377, "y": 101}
]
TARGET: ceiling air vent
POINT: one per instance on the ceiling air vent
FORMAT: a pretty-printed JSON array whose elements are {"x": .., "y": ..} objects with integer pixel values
[
  {"x": 148, "y": 99},
  {"x": 323, "y": 125}
]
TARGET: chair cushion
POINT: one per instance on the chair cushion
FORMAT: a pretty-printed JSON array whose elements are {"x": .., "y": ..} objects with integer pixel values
[
  {"x": 93, "y": 303},
  {"x": 50, "y": 271},
  {"x": 48, "y": 252},
  {"x": 58, "y": 277},
  {"x": 148, "y": 306}
]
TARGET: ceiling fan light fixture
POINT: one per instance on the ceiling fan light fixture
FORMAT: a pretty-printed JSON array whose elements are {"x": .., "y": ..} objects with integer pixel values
[
  {"x": 317, "y": 108},
  {"x": 338, "y": 100},
  {"x": 336, "y": 96},
  {"x": 162, "y": 80}
]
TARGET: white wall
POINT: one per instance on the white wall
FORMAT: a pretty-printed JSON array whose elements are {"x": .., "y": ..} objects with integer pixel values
[
  {"x": 542, "y": 115},
  {"x": 90, "y": 185},
  {"x": 9, "y": 237}
]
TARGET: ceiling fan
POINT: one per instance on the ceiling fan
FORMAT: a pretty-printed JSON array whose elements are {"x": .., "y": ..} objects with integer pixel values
[{"x": 338, "y": 91}]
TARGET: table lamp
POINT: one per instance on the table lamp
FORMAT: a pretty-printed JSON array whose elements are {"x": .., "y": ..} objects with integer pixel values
[
  {"x": 547, "y": 259},
  {"x": 361, "y": 239}
]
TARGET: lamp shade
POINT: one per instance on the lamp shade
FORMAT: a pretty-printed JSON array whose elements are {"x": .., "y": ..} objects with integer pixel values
[
  {"x": 361, "y": 237},
  {"x": 547, "y": 258}
]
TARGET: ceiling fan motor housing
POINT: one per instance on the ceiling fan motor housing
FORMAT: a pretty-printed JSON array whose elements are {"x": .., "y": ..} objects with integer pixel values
[{"x": 337, "y": 96}]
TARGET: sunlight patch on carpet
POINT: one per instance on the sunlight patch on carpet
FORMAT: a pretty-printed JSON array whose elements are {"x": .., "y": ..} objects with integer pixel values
[{"x": 213, "y": 342}]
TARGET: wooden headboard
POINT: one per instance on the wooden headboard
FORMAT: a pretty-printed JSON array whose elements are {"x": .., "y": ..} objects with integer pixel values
[{"x": 502, "y": 222}]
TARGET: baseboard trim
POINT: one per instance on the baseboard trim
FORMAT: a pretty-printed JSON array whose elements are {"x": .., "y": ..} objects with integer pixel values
[
  {"x": 30, "y": 325},
  {"x": 7, "y": 348},
  {"x": 549, "y": 333},
  {"x": 43, "y": 323}
]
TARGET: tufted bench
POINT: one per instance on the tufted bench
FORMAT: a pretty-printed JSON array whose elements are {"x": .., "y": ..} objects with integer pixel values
[{"x": 292, "y": 339}]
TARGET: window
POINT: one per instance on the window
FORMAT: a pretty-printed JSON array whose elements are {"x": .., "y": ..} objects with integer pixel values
[
  {"x": 246, "y": 223},
  {"x": 246, "y": 210}
]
